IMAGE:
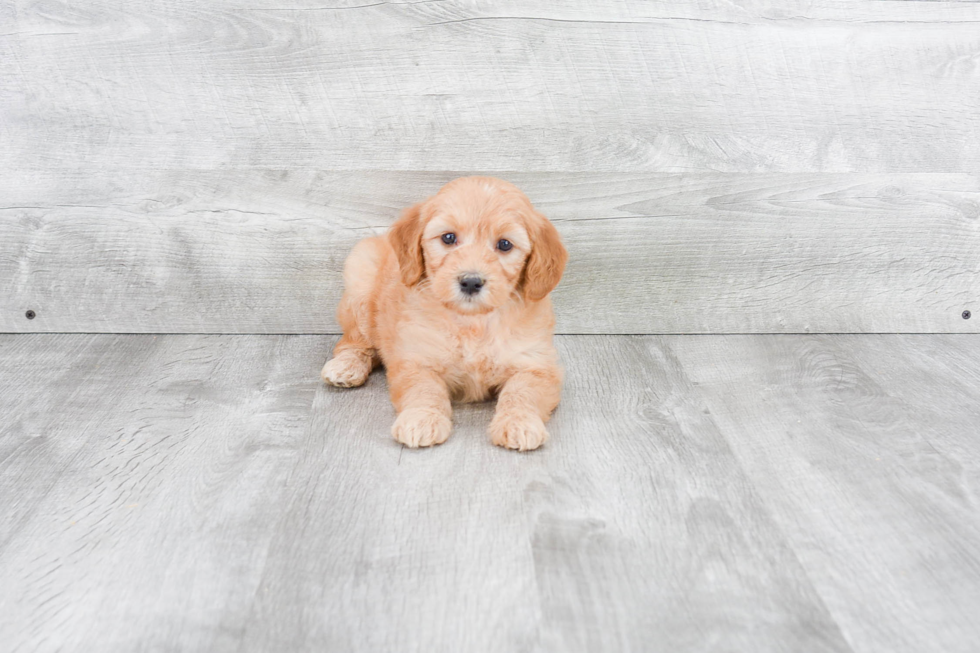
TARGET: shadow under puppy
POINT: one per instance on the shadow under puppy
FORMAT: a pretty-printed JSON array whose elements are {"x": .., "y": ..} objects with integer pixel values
[{"x": 454, "y": 302}]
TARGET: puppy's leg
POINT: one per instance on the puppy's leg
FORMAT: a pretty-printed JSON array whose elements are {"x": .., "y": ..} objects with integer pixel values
[
  {"x": 421, "y": 398},
  {"x": 351, "y": 364},
  {"x": 355, "y": 356},
  {"x": 524, "y": 405}
]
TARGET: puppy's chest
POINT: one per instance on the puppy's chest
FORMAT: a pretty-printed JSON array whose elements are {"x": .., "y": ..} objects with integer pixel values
[{"x": 479, "y": 360}]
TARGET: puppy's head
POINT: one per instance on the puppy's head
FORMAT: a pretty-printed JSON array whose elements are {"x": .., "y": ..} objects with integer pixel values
[{"x": 476, "y": 244}]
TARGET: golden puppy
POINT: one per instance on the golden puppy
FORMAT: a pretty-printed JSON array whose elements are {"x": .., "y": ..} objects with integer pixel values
[{"x": 454, "y": 303}]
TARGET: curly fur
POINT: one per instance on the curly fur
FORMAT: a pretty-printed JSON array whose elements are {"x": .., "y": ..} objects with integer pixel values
[{"x": 403, "y": 307}]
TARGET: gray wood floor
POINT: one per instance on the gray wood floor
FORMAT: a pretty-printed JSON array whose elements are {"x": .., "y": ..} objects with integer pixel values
[
  {"x": 722, "y": 167},
  {"x": 699, "y": 493}
]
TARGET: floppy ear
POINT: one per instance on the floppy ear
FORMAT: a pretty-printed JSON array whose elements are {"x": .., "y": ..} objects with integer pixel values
[
  {"x": 546, "y": 263},
  {"x": 406, "y": 239}
]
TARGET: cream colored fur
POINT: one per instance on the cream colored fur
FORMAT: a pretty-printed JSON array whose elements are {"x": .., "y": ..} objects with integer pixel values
[{"x": 403, "y": 307}]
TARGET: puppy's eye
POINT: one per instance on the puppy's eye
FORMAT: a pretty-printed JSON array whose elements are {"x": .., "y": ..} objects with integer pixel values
[
  {"x": 449, "y": 239},
  {"x": 504, "y": 245}
]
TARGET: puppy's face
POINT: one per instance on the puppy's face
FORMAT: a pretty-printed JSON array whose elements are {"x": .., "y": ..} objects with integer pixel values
[{"x": 477, "y": 244}]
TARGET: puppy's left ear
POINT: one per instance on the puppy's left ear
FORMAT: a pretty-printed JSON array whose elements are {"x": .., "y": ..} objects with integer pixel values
[
  {"x": 546, "y": 263},
  {"x": 406, "y": 239}
]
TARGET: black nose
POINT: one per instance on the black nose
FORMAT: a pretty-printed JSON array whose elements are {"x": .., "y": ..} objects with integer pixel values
[{"x": 471, "y": 283}]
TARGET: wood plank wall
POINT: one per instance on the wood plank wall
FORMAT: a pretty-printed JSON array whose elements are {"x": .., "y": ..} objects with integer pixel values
[{"x": 729, "y": 167}]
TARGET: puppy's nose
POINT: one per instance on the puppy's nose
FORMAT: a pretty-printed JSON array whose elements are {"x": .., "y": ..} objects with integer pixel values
[{"x": 471, "y": 284}]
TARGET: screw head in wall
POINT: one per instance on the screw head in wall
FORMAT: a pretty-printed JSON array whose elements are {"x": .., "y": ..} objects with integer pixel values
[
  {"x": 966, "y": 315},
  {"x": 30, "y": 315}
]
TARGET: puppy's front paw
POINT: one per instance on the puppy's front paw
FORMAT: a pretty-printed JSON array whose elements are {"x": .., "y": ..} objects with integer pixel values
[
  {"x": 346, "y": 370},
  {"x": 421, "y": 427},
  {"x": 521, "y": 431}
]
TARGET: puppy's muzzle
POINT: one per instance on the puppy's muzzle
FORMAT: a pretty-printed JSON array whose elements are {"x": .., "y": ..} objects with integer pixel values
[{"x": 470, "y": 284}]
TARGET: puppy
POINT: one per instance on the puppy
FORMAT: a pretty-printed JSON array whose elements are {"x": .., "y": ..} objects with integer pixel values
[{"x": 454, "y": 303}]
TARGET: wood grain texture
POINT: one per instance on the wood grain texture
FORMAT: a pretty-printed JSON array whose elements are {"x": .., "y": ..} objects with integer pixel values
[
  {"x": 139, "y": 478},
  {"x": 743, "y": 493},
  {"x": 381, "y": 548},
  {"x": 749, "y": 86},
  {"x": 260, "y": 251},
  {"x": 644, "y": 526},
  {"x": 865, "y": 452}
]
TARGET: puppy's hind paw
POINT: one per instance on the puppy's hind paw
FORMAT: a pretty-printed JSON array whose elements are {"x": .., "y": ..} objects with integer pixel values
[
  {"x": 421, "y": 427},
  {"x": 521, "y": 431},
  {"x": 346, "y": 370}
]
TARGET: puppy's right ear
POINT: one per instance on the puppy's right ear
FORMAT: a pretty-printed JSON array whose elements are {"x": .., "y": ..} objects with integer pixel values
[
  {"x": 546, "y": 263},
  {"x": 406, "y": 239}
]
